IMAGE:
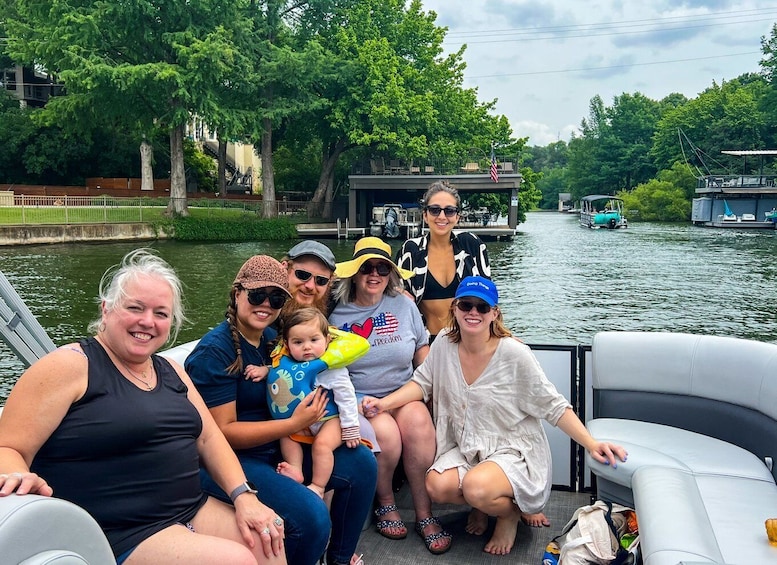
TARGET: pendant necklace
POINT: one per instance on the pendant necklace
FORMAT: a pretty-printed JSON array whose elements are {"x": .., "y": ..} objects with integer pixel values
[{"x": 136, "y": 377}]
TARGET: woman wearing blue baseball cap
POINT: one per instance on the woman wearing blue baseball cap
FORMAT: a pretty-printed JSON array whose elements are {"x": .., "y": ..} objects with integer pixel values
[{"x": 488, "y": 396}]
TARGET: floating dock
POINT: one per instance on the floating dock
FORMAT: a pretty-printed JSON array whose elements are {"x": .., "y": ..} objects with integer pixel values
[{"x": 341, "y": 230}]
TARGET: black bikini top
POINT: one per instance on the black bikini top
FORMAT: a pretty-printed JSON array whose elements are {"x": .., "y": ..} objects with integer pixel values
[{"x": 434, "y": 290}]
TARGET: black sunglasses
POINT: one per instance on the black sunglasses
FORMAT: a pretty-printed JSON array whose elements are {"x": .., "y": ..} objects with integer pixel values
[
  {"x": 383, "y": 268},
  {"x": 435, "y": 210},
  {"x": 304, "y": 276},
  {"x": 258, "y": 295},
  {"x": 466, "y": 306}
]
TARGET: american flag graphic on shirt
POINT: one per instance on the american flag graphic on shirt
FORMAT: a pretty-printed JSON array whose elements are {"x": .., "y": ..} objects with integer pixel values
[{"x": 386, "y": 323}]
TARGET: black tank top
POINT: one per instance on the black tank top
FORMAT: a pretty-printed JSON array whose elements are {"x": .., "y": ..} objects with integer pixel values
[
  {"x": 127, "y": 456},
  {"x": 435, "y": 290}
]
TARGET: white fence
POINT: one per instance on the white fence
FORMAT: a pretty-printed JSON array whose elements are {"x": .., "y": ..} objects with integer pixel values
[{"x": 36, "y": 210}]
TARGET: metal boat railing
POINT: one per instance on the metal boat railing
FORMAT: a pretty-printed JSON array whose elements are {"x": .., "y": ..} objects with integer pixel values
[{"x": 712, "y": 182}]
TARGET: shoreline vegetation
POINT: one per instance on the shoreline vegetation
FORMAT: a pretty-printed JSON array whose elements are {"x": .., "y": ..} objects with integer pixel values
[{"x": 211, "y": 224}]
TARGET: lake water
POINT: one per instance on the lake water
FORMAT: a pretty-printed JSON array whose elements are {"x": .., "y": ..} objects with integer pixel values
[{"x": 559, "y": 283}]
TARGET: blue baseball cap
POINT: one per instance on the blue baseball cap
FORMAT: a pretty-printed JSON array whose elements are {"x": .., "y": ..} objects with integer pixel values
[{"x": 479, "y": 287}]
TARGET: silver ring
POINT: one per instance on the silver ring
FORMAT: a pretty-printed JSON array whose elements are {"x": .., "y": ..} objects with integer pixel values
[
  {"x": 3, "y": 476},
  {"x": 266, "y": 531},
  {"x": 16, "y": 475},
  {"x": 278, "y": 521}
]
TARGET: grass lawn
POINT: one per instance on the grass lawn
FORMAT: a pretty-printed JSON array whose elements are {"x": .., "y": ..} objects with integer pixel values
[{"x": 16, "y": 215}]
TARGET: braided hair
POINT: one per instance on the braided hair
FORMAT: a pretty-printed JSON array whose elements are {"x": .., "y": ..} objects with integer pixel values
[{"x": 231, "y": 316}]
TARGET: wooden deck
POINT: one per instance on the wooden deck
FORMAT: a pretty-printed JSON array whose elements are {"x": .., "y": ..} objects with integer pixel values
[
  {"x": 529, "y": 546},
  {"x": 497, "y": 232}
]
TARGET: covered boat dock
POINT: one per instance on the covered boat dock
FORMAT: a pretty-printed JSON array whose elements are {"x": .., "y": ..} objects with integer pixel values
[{"x": 368, "y": 190}]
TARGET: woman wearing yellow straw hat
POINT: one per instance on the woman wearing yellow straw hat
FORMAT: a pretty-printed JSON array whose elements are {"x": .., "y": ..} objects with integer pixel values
[{"x": 370, "y": 303}]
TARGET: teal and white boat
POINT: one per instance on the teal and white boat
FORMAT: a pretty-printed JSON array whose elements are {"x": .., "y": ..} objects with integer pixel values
[{"x": 602, "y": 211}]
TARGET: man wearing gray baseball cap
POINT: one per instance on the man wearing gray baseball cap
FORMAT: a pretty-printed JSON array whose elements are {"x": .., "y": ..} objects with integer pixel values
[{"x": 311, "y": 265}]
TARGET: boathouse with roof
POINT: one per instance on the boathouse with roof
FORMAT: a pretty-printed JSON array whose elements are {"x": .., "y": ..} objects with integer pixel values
[
  {"x": 374, "y": 184},
  {"x": 746, "y": 200}
]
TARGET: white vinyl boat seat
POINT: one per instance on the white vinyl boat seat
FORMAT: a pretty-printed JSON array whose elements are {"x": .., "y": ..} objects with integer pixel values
[
  {"x": 38, "y": 530},
  {"x": 698, "y": 417}
]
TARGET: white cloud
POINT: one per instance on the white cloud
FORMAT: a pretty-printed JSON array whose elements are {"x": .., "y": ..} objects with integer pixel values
[{"x": 544, "y": 61}]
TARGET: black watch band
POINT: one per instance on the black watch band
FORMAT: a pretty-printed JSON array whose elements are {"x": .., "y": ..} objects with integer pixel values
[{"x": 247, "y": 486}]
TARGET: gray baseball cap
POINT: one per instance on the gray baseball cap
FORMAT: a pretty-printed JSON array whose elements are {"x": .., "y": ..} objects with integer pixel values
[{"x": 316, "y": 249}]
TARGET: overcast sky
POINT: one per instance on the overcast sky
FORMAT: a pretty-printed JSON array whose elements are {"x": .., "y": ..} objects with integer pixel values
[{"x": 545, "y": 59}]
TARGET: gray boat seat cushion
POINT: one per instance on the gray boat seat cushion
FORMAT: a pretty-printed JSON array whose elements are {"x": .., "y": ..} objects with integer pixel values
[
  {"x": 39, "y": 529},
  {"x": 685, "y": 517},
  {"x": 667, "y": 446}
]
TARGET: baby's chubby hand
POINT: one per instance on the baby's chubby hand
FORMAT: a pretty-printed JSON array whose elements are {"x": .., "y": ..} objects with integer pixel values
[{"x": 256, "y": 372}]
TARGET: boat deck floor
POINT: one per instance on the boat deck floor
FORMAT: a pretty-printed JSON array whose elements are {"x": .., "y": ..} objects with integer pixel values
[{"x": 529, "y": 545}]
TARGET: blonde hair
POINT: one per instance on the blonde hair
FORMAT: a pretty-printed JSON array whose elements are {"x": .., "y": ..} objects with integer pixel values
[
  {"x": 344, "y": 290},
  {"x": 139, "y": 262},
  {"x": 497, "y": 327}
]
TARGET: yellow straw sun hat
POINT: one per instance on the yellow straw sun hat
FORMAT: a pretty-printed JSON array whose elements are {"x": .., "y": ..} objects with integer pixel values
[{"x": 369, "y": 248}]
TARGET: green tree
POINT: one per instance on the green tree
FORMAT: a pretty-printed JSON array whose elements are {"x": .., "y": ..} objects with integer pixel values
[
  {"x": 726, "y": 116},
  {"x": 656, "y": 201},
  {"x": 632, "y": 121},
  {"x": 613, "y": 151},
  {"x": 552, "y": 156},
  {"x": 769, "y": 72},
  {"x": 552, "y": 183},
  {"x": 587, "y": 169},
  {"x": 145, "y": 65},
  {"x": 682, "y": 177},
  {"x": 391, "y": 90},
  {"x": 286, "y": 65}
]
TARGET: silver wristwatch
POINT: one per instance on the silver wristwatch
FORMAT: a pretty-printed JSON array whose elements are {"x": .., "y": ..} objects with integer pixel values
[{"x": 247, "y": 486}]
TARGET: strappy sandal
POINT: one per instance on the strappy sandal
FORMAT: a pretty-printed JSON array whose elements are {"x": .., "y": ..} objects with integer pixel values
[
  {"x": 431, "y": 538},
  {"x": 384, "y": 526}
]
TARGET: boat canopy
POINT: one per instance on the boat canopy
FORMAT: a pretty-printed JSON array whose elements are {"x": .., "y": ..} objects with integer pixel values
[
  {"x": 749, "y": 152},
  {"x": 591, "y": 197}
]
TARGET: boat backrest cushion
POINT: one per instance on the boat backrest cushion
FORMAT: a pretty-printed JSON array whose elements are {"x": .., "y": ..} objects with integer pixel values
[
  {"x": 735, "y": 371},
  {"x": 721, "y": 387},
  {"x": 179, "y": 353}
]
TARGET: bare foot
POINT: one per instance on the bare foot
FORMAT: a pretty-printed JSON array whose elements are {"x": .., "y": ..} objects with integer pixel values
[
  {"x": 538, "y": 520},
  {"x": 289, "y": 470},
  {"x": 501, "y": 543},
  {"x": 317, "y": 489},
  {"x": 477, "y": 522}
]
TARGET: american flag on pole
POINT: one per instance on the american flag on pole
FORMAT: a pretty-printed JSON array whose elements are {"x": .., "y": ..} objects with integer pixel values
[{"x": 494, "y": 169}]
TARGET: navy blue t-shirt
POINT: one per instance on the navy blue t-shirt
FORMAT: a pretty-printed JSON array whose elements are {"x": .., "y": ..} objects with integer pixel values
[{"x": 207, "y": 366}]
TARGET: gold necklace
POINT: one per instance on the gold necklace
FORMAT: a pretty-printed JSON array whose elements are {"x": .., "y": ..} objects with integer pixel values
[{"x": 136, "y": 377}]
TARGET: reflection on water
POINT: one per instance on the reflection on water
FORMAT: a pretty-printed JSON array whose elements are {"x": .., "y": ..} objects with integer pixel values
[{"x": 559, "y": 283}]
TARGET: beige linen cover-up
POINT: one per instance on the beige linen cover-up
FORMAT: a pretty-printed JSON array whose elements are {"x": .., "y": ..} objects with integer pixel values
[{"x": 496, "y": 418}]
